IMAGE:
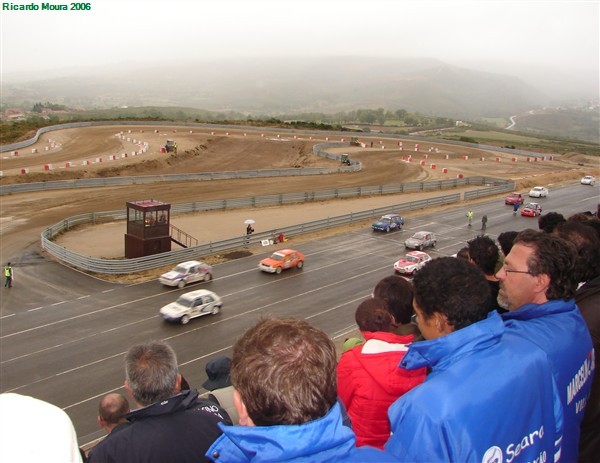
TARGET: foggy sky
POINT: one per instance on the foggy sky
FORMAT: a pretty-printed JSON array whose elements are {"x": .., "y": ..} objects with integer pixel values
[{"x": 560, "y": 34}]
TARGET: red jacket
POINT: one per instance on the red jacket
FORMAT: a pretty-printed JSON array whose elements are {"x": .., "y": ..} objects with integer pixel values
[{"x": 369, "y": 381}]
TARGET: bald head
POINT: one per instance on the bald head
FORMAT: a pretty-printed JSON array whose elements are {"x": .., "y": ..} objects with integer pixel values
[{"x": 112, "y": 410}]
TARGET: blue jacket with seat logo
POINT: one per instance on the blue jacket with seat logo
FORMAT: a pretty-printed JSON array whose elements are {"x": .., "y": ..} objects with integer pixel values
[
  {"x": 558, "y": 328},
  {"x": 490, "y": 396}
]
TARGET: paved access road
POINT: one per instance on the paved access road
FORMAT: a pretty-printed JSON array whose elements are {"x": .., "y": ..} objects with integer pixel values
[{"x": 63, "y": 334}]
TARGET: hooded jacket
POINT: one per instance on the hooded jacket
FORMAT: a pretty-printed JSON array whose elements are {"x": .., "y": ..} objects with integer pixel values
[
  {"x": 323, "y": 440},
  {"x": 179, "y": 429},
  {"x": 490, "y": 396},
  {"x": 369, "y": 381},
  {"x": 588, "y": 301},
  {"x": 559, "y": 330}
]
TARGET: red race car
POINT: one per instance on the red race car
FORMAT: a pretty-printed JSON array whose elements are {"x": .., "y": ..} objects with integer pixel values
[
  {"x": 514, "y": 198},
  {"x": 531, "y": 210}
]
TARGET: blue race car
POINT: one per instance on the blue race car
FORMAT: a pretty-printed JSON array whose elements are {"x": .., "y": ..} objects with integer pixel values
[{"x": 388, "y": 223}]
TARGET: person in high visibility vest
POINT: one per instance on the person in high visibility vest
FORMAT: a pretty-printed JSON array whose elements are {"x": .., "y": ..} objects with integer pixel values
[
  {"x": 8, "y": 275},
  {"x": 470, "y": 217}
]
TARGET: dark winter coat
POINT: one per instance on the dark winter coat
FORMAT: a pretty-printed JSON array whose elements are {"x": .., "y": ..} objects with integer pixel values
[{"x": 180, "y": 429}]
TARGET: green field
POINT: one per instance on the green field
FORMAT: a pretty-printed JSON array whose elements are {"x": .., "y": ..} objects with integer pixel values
[{"x": 519, "y": 140}]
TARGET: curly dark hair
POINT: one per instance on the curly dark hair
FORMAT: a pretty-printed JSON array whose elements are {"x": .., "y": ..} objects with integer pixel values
[
  {"x": 398, "y": 295},
  {"x": 594, "y": 224},
  {"x": 484, "y": 252},
  {"x": 373, "y": 315},
  {"x": 505, "y": 240},
  {"x": 587, "y": 243},
  {"x": 580, "y": 217},
  {"x": 453, "y": 287},
  {"x": 463, "y": 253},
  {"x": 285, "y": 372},
  {"x": 554, "y": 257},
  {"x": 548, "y": 222}
]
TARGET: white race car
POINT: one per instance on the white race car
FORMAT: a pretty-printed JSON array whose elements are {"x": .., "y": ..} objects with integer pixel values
[
  {"x": 538, "y": 192},
  {"x": 187, "y": 273},
  {"x": 191, "y": 305},
  {"x": 588, "y": 180},
  {"x": 412, "y": 262}
]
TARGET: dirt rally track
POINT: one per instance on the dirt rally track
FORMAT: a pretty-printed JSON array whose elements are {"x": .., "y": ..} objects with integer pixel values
[{"x": 24, "y": 216}]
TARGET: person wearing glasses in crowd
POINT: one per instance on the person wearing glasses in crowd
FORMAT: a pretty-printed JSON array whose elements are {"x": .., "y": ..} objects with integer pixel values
[
  {"x": 537, "y": 285},
  {"x": 476, "y": 404}
]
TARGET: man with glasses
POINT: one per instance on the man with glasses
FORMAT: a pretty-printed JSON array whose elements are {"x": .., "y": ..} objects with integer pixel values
[
  {"x": 490, "y": 395},
  {"x": 538, "y": 287}
]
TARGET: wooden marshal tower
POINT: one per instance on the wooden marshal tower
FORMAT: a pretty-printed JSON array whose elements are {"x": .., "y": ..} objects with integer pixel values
[{"x": 148, "y": 228}]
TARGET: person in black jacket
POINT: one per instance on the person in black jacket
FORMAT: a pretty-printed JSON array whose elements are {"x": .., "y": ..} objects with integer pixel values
[
  {"x": 484, "y": 253},
  {"x": 169, "y": 424}
]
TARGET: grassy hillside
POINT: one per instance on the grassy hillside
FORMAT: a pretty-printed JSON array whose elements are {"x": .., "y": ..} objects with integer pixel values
[{"x": 521, "y": 140}]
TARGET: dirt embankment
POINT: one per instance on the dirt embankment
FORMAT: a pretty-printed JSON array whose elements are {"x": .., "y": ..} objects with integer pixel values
[{"x": 25, "y": 215}]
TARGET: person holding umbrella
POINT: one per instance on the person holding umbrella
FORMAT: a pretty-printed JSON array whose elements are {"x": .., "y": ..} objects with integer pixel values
[{"x": 249, "y": 229}]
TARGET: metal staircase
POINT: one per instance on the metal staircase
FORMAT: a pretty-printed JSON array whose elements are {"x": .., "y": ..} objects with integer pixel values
[{"x": 183, "y": 239}]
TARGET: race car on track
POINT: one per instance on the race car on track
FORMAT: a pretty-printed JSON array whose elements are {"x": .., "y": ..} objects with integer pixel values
[
  {"x": 420, "y": 240},
  {"x": 531, "y": 210},
  {"x": 538, "y": 192},
  {"x": 282, "y": 260},
  {"x": 588, "y": 180},
  {"x": 187, "y": 272},
  {"x": 412, "y": 262},
  {"x": 191, "y": 305},
  {"x": 388, "y": 223},
  {"x": 514, "y": 198}
]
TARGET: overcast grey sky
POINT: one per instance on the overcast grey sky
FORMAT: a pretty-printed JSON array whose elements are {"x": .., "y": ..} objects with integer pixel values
[{"x": 555, "y": 33}]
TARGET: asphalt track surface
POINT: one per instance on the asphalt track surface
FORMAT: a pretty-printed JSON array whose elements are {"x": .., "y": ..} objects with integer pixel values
[{"x": 64, "y": 343}]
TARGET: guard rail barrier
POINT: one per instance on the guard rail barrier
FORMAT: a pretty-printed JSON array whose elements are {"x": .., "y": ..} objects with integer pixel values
[{"x": 124, "y": 266}]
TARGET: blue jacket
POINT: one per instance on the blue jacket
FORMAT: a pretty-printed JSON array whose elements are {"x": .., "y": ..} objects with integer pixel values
[
  {"x": 322, "y": 440},
  {"x": 559, "y": 329},
  {"x": 489, "y": 397}
]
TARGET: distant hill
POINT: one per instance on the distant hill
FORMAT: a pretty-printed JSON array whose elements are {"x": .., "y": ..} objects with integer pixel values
[
  {"x": 284, "y": 86},
  {"x": 583, "y": 124}
]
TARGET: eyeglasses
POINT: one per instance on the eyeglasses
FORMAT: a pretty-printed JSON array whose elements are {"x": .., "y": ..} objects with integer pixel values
[
  {"x": 413, "y": 319},
  {"x": 518, "y": 271}
]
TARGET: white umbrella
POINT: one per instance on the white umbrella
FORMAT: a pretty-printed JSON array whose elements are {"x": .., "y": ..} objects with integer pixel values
[{"x": 249, "y": 221}]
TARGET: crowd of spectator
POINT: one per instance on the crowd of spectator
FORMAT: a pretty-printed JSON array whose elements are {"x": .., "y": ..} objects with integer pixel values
[{"x": 486, "y": 356}]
